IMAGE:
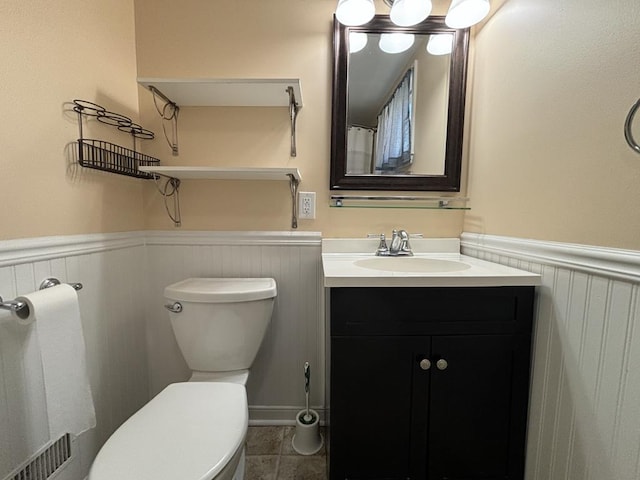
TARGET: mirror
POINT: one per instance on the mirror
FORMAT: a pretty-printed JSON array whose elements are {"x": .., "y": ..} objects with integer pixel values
[{"x": 397, "y": 119}]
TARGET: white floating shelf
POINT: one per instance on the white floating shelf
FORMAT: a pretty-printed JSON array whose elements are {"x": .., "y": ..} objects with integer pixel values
[
  {"x": 220, "y": 92},
  {"x": 221, "y": 173},
  {"x": 292, "y": 175}
]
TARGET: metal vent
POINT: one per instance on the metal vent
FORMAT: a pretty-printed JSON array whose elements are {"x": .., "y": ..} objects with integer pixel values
[{"x": 45, "y": 464}]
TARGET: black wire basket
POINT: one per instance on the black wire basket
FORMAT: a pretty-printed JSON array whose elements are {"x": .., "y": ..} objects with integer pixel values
[
  {"x": 110, "y": 157},
  {"x": 107, "y": 156}
]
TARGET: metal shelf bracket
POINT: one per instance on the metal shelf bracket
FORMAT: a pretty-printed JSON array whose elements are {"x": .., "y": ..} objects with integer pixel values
[
  {"x": 294, "y": 108},
  {"x": 293, "y": 186}
]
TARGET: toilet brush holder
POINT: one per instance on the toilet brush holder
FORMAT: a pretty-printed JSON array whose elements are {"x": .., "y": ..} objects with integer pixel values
[{"x": 307, "y": 438}]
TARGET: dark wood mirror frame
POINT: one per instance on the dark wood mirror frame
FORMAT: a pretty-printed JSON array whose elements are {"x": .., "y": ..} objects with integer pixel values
[{"x": 450, "y": 181}]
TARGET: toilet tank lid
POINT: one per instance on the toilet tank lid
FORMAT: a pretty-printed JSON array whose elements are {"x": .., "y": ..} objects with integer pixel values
[{"x": 221, "y": 290}]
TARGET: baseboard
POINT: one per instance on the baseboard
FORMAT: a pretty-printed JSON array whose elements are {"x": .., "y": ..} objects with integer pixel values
[{"x": 281, "y": 415}]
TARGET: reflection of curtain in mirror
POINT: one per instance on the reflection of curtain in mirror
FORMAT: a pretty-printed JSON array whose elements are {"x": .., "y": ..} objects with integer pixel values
[
  {"x": 359, "y": 150},
  {"x": 393, "y": 144}
]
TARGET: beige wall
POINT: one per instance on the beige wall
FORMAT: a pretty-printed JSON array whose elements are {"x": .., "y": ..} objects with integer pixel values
[
  {"x": 432, "y": 89},
  {"x": 251, "y": 38},
  {"x": 553, "y": 82},
  {"x": 52, "y": 53}
]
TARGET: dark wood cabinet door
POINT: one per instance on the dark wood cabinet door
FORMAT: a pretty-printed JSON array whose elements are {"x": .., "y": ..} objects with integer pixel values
[
  {"x": 477, "y": 407},
  {"x": 461, "y": 415},
  {"x": 371, "y": 406}
]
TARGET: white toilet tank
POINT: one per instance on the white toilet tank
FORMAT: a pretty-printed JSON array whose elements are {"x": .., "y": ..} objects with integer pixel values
[{"x": 222, "y": 321}]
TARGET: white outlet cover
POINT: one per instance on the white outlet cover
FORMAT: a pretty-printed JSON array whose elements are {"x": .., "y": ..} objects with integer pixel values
[{"x": 307, "y": 205}]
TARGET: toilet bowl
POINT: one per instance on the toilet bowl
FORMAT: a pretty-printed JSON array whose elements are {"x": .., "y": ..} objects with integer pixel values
[
  {"x": 191, "y": 430},
  {"x": 195, "y": 430}
]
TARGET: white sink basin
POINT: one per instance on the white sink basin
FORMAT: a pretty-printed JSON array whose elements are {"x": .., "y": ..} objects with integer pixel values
[
  {"x": 412, "y": 264},
  {"x": 437, "y": 262}
]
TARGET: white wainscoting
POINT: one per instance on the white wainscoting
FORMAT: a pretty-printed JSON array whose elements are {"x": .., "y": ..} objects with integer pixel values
[
  {"x": 296, "y": 334},
  {"x": 584, "y": 417},
  {"x": 112, "y": 270},
  {"x": 130, "y": 347},
  {"x": 585, "y": 409}
]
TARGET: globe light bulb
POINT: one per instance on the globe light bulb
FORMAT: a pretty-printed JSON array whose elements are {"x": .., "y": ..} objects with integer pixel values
[
  {"x": 406, "y": 13},
  {"x": 396, "y": 42},
  {"x": 440, "y": 44},
  {"x": 465, "y": 13},
  {"x": 357, "y": 41},
  {"x": 355, "y": 12}
]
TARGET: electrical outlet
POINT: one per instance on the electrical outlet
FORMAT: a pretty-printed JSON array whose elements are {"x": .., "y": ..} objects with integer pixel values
[{"x": 307, "y": 205}]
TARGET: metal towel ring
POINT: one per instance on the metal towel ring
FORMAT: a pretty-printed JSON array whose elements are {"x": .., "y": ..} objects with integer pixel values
[{"x": 628, "y": 135}]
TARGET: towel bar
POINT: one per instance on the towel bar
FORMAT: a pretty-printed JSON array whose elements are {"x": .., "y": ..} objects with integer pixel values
[
  {"x": 16, "y": 305},
  {"x": 628, "y": 135}
]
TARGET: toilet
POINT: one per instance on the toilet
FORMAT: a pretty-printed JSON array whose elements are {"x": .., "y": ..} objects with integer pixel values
[{"x": 195, "y": 430}]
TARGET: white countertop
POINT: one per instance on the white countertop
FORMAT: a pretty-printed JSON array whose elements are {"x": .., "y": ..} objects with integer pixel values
[{"x": 339, "y": 257}]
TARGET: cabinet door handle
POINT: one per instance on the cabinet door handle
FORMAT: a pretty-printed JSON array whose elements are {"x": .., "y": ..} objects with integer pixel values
[
  {"x": 442, "y": 364},
  {"x": 425, "y": 364}
]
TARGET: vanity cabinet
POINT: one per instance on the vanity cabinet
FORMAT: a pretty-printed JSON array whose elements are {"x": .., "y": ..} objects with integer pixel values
[{"x": 429, "y": 383}]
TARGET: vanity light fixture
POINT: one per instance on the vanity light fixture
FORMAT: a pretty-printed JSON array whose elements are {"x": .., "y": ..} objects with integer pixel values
[
  {"x": 357, "y": 41},
  {"x": 396, "y": 42},
  {"x": 440, "y": 44},
  {"x": 405, "y": 13}
]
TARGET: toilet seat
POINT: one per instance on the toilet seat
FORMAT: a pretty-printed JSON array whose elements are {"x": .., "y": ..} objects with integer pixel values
[{"x": 189, "y": 431}]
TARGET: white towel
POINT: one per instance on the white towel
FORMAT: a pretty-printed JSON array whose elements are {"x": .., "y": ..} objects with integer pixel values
[{"x": 56, "y": 314}]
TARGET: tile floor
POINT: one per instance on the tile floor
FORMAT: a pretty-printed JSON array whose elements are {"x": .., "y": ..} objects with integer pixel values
[{"x": 270, "y": 456}]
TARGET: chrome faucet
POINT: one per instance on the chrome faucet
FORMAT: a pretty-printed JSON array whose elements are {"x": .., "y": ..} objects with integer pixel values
[{"x": 399, "y": 245}]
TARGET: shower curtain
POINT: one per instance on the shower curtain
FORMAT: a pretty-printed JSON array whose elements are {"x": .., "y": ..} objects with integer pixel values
[
  {"x": 393, "y": 145},
  {"x": 359, "y": 150}
]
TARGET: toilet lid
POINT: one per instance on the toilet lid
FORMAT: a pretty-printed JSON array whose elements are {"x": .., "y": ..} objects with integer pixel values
[{"x": 189, "y": 431}]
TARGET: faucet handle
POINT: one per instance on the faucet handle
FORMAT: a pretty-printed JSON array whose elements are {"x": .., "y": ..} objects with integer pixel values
[
  {"x": 405, "y": 248},
  {"x": 382, "y": 246}
]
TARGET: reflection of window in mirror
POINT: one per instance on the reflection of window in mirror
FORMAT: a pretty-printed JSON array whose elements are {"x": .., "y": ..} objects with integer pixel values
[
  {"x": 387, "y": 147},
  {"x": 393, "y": 152},
  {"x": 391, "y": 97}
]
